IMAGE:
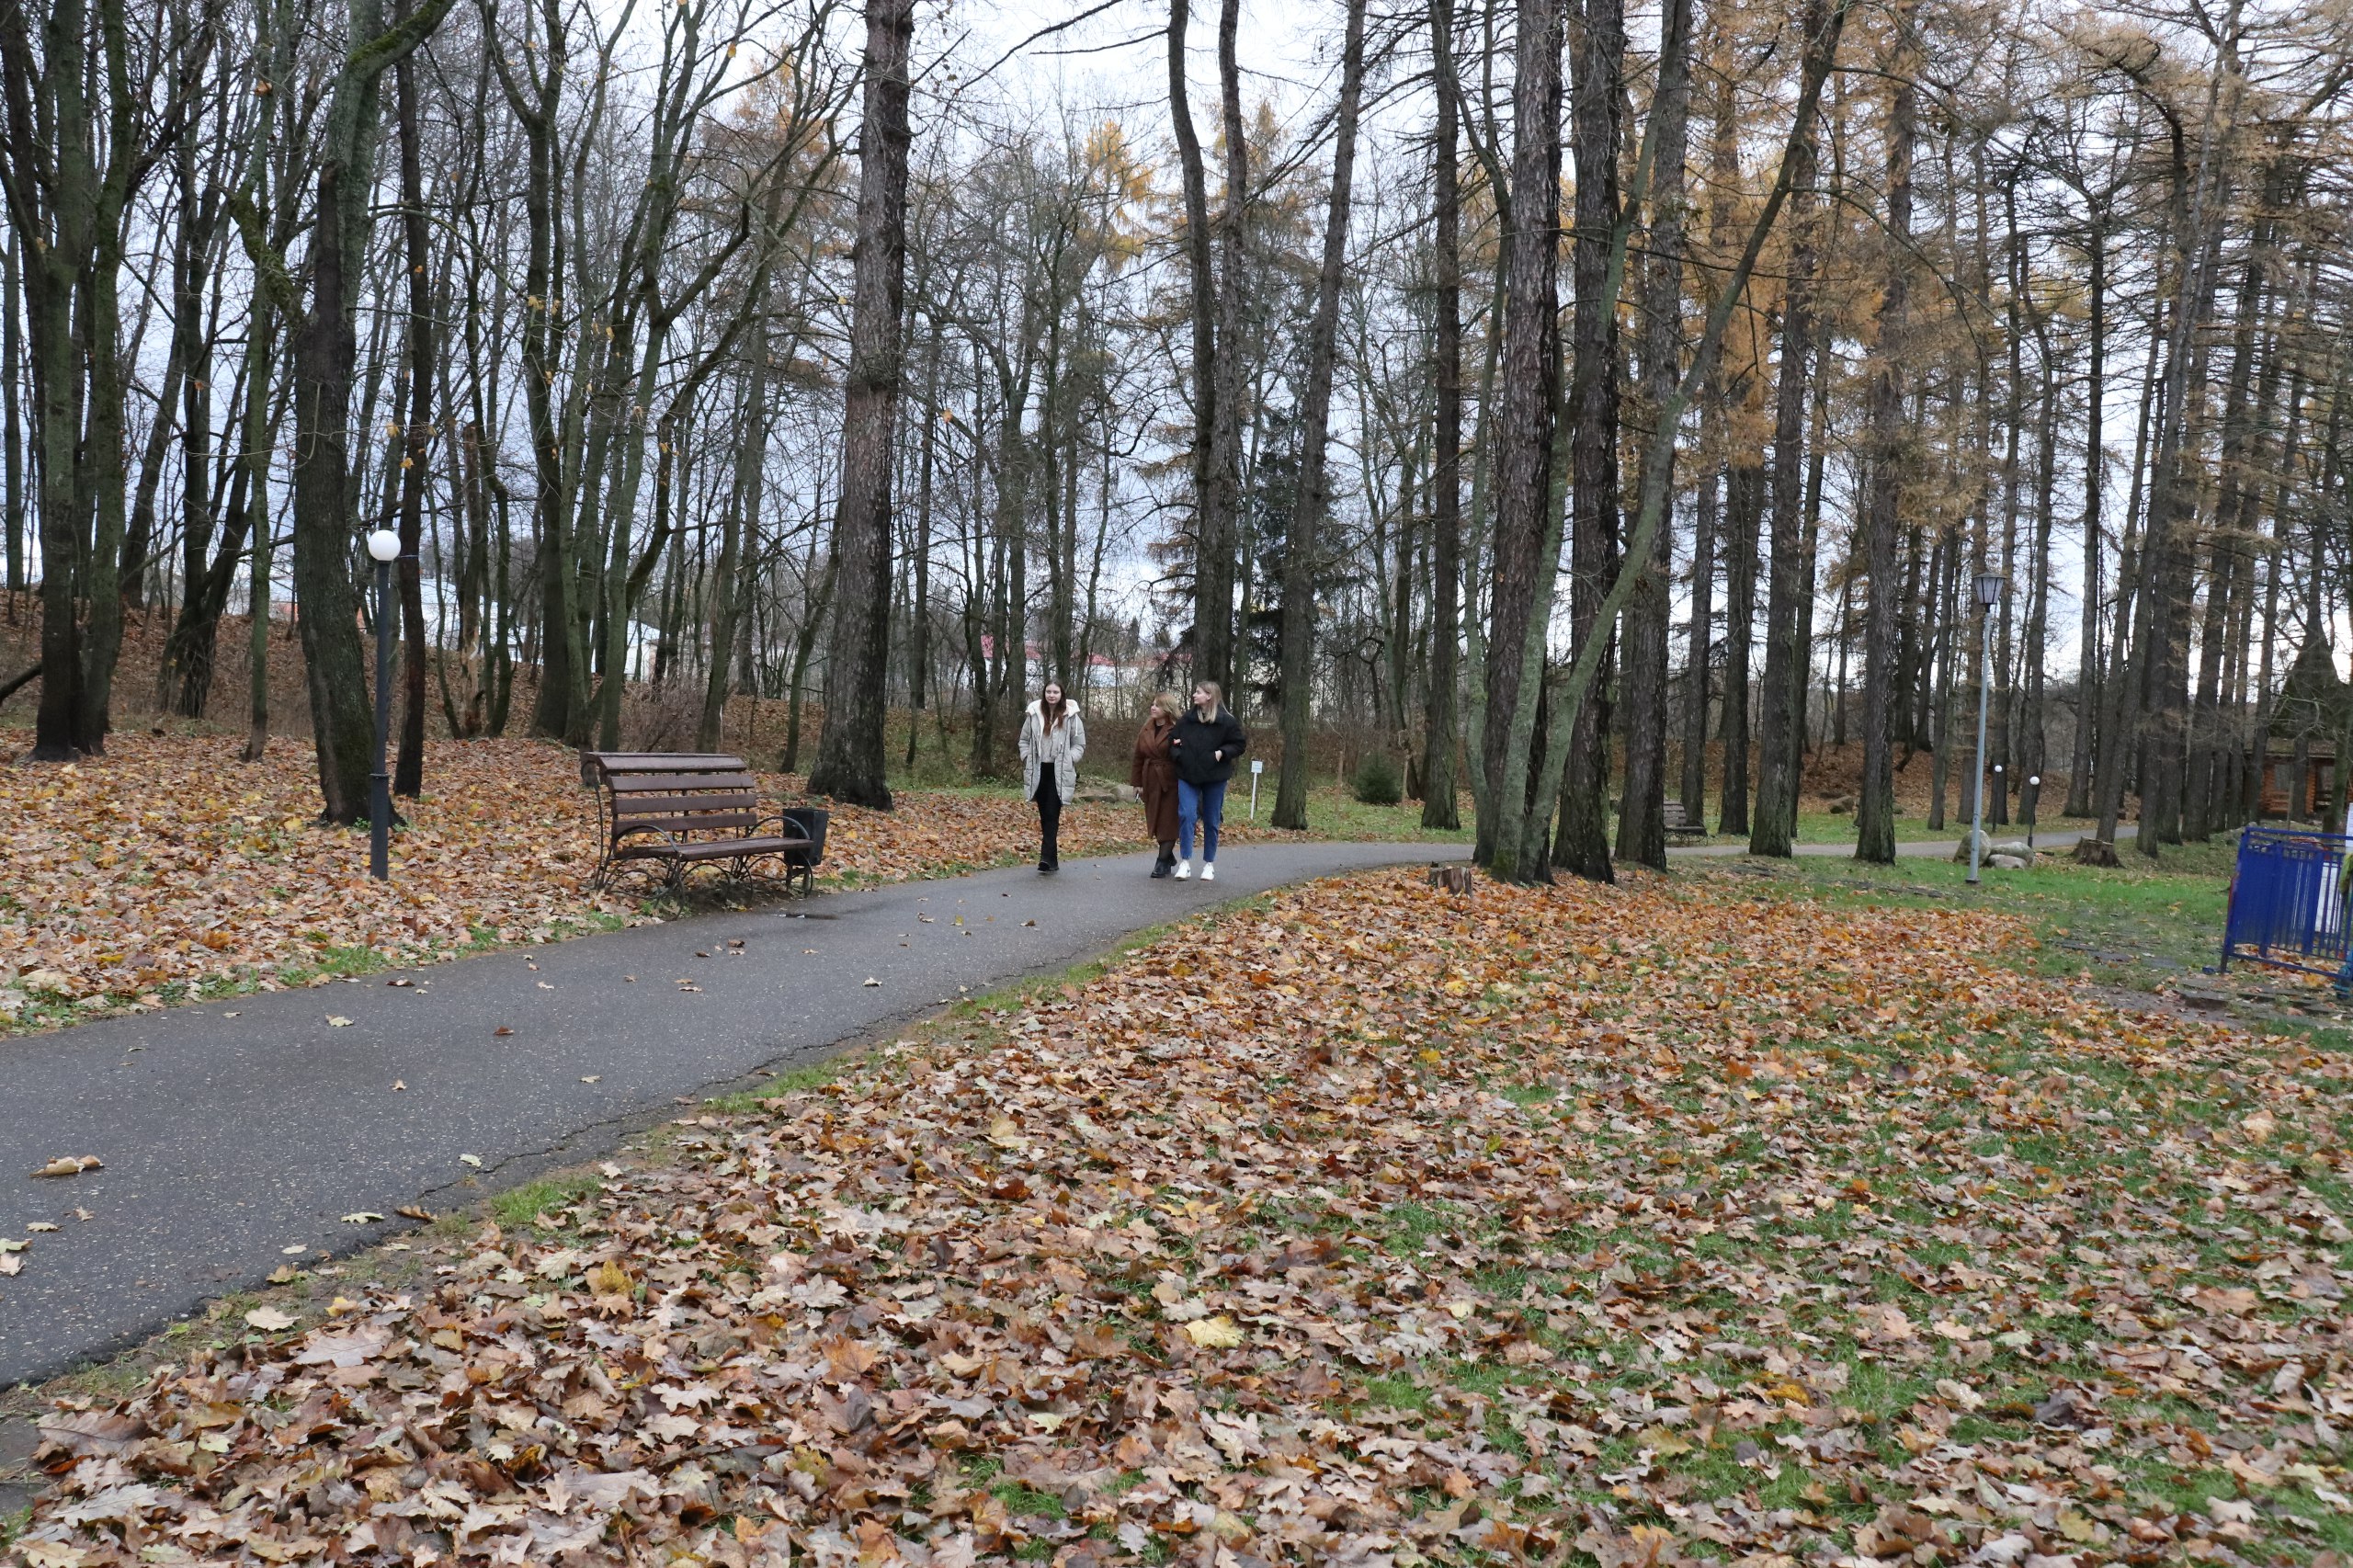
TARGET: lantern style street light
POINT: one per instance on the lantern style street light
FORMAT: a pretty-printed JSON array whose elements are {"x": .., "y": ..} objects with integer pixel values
[
  {"x": 1988, "y": 589},
  {"x": 384, "y": 548},
  {"x": 2033, "y": 799}
]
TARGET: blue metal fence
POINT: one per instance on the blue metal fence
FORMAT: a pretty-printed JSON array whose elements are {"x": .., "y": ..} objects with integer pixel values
[{"x": 2287, "y": 899}]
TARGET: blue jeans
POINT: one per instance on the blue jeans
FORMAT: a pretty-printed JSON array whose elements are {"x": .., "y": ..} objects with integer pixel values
[{"x": 1206, "y": 802}]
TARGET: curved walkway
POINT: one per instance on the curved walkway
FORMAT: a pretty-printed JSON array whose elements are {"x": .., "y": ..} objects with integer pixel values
[{"x": 236, "y": 1131}]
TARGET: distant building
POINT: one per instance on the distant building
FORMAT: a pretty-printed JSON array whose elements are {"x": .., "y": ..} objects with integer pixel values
[{"x": 2297, "y": 766}]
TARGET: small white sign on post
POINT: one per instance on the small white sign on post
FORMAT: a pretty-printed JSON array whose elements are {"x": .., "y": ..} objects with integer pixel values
[{"x": 1258, "y": 766}]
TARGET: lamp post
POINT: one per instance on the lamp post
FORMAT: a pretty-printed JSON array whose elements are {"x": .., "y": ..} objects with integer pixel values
[
  {"x": 2033, "y": 799},
  {"x": 384, "y": 548},
  {"x": 1988, "y": 589}
]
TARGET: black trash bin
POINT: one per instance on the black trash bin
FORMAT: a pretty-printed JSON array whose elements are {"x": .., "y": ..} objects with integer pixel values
[{"x": 809, "y": 822}]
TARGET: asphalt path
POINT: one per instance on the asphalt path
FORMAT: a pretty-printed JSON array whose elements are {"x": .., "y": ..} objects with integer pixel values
[{"x": 236, "y": 1134}]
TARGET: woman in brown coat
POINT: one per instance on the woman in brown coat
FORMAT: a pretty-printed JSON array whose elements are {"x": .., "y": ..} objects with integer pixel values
[{"x": 1154, "y": 776}]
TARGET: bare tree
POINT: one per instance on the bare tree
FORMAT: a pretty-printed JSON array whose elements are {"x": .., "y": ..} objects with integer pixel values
[{"x": 850, "y": 759}]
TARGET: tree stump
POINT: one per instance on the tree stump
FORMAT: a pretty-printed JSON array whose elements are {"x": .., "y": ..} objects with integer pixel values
[
  {"x": 1452, "y": 878},
  {"x": 2095, "y": 852}
]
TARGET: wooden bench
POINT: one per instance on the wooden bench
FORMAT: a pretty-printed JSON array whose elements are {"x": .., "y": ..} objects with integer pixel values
[
  {"x": 671, "y": 812},
  {"x": 1680, "y": 823}
]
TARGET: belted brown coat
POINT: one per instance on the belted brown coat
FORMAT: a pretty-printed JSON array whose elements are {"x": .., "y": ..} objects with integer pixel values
[{"x": 1155, "y": 777}]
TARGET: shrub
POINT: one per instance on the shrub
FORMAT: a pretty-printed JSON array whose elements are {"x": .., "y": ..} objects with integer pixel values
[{"x": 1377, "y": 782}]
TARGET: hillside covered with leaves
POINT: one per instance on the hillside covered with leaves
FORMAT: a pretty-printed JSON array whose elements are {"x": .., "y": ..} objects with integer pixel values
[{"x": 1369, "y": 1225}]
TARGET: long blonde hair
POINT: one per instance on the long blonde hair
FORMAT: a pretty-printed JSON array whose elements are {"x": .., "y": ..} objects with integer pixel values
[
  {"x": 1217, "y": 695},
  {"x": 1168, "y": 702}
]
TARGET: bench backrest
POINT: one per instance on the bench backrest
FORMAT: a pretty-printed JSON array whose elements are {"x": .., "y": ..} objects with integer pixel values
[
  {"x": 595, "y": 765},
  {"x": 681, "y": 793}
]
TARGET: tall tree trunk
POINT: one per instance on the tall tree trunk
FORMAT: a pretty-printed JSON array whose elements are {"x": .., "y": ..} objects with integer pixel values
[
  {"x": 1583, "y": 845},
  {"x": 1944, "y": 600},
  {"x": 190, "y": 644},
  {"x": 261, "y": 355},
  {"x": 2087, "y": 665},
  {"x": 2112, "y": 748},
  {"x": 543, "y": 62},
  {"x": 1303, "y": 541},
  {"x": 53, "y": 180},
  {"x": 1213, "y": 656},
  {"x": 1530, "y": 372},
  {"x": 1744, "y": 485},
  {"x": 2033, "y": 647},
  {"x": 1778, "y": 750},
  {"x": 1703, "y": 615},
  {"x": 1642, "y": 822},
  {"x": 1995, "y": 767},
  {"x": 1440, "y": 810},
  {"x": 850, "y": 764},
  {"x": 1716, "y": 531},
  {"x": 2229, "y": 565},
  {"x": 1744, "y": 517},
  {"x": 1875, "y": 809},
  {"x": 920, "y": 599},
  {"x": 1212, "y": 527},
  {"x": 12, "y": 429},
  {"x": 325, "y": 354},
  {"x": 416, "y": 434},
  {"x": 1809, "y": 543},
  {"x": 2173, "y": 486}
]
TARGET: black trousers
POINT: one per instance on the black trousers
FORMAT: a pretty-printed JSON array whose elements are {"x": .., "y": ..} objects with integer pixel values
[{"x": 1049, "y": 817}]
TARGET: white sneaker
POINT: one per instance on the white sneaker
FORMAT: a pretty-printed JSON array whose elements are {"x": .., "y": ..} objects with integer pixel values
[
  {"x": 1183, "y": 870},
  {"x": 1208, "y": 870}
]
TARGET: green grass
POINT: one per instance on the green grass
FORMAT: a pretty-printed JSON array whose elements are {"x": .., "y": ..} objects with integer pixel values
[
  {"x": 1019, "y": 1500},
  {"x": 814, "y": 1076},
  {"x": 2133, "y": 924},
  {"x": 1334, "y": 812},
  {"x": 1838, "y": 827},
  {"x": 549, "y": 1195},
  {"x": 1397, "y": 1393}
]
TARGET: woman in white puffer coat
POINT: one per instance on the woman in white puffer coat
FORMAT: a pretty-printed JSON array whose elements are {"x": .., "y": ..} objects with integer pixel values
[{"x": 1054, "y": 738}]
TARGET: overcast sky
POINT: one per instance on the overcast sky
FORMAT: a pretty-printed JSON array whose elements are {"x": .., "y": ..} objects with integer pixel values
[{"x": 1114, "y": 63}]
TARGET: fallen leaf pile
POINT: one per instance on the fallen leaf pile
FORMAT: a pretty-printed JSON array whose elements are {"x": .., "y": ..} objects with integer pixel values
[
  {"x": 1367, "y": 1226},
  {"x": 167, "y": 865}
]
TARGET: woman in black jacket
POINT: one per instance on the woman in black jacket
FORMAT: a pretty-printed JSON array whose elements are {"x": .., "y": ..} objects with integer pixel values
[{"x": 1207, "y": 741}]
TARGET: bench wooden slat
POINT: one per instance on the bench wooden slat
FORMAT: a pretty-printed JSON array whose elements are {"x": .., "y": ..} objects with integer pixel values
[
  {"x": 729, "y": 764},
  {"x": 682, "y": 822},
  {"x": 596, "y": 764},
  {"x": 714, "y": 822},
  {"x": 643, "y": 783},
  {"x": 641, "y": 805},
  {"x": 727, "y": 849},
  {"x": 656, "y": 761}
]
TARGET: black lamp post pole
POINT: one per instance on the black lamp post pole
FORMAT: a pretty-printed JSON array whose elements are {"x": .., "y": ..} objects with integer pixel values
[
  {"x": 380, "y": 782},
  {"x": 1986, "y": 588}
]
